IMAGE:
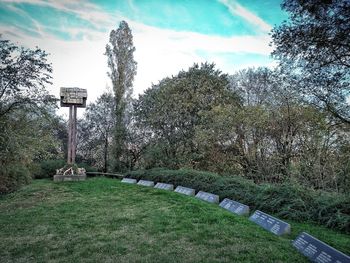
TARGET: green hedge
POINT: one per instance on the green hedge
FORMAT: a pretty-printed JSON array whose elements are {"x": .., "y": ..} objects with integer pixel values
[
  {"x": 47, "y": 168},
  {"x": 12, "y": 177},
  {"x": 288, "y": 201}
]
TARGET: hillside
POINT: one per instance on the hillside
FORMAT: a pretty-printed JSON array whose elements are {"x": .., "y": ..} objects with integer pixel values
[{"x": 103, "y": 220}]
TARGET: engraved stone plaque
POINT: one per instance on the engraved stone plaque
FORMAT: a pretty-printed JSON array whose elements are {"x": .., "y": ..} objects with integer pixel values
[
  {"x": 270, "y": 223},
  {"x": 146, "y": 183},
  {"x": 129, "y": 181},
  {"x": 163, "y": 186},
  {"x": 234, "y": 207},
  {"x": 317, "y": 251},
  {"x": 211, "y": 198},
  {"x": 185, "y": 190}
]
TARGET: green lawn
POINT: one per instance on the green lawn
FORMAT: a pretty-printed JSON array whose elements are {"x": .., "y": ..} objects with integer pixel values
[{"x": 103, "y": 220}]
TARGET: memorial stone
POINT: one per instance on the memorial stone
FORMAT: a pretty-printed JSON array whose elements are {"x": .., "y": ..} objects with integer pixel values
[
  {"x": 164, "y": 186},
  {"x": 146, "y": 183},
  {"x": 270, "y": 223},
  {"x": 211, "y": 198},
  {"x": 317, "y": 251},
  {"x": 129, "y": 181},
  {"x": 185, "y": 190},
  {"x": 234, "y": 207}
]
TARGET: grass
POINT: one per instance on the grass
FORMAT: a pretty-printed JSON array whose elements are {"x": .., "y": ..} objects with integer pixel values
[{"x": 103, "y": 220}]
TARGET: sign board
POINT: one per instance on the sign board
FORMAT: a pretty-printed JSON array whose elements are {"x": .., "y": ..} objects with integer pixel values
[
  {"x": 73, "y": 96},
  {"x": 129, "y": 181},
  {"x": 185, "y": 190},
  {"x": 163, "y": 186},
  {"x": 234, "y": 207},
  {"x": 211, "y": 198},
  {"x": 270, "y": 223},
  {"x": 146, "y": 183},
  {"x": 317, "y": 251}
]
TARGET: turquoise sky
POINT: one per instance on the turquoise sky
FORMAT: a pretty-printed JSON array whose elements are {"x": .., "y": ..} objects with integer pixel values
[
  {"x": 169, "y": 35},
  {"x": 202, "y": 16}
]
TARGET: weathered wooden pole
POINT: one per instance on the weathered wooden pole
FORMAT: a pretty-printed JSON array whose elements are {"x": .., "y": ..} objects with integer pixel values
[{"x": 72, "y": 98}]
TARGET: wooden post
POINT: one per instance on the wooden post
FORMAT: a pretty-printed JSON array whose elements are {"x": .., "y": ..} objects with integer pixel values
[
  {"x": 69, "y": 155},
  {"x": 72, "y": 134},
  {"x": 72, "y": 98}
]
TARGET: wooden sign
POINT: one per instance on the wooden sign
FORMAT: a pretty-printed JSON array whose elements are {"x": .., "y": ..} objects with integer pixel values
[
  {"x": 234, "y": 207},
  {"x": 270, "y": 223},
  {"x": 73, "y": 96},
  {"x": 211, "y": 198},
  {"x": 317, "y": 251}
]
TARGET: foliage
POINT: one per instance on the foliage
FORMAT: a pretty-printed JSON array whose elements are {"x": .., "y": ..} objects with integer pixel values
[
  {"x": 12, "y": 177},
  {"x": 27, "y": 118},
  {"x": 120, "y": 54},
  {"x": 289, "y": 200},
  {"x": 315, "y": 44},
  {"x": 152, "y": 225},
  {"x": 95, "y": 132},
  {"x": 171, "y": 124},
  {"x": 47, "y": 168},
  {"x": 24, "y": 74}
]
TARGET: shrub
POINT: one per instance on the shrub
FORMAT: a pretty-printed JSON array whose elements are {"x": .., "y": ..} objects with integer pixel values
[
  {"x": 12, "y": 177},
  {"x": 288, "y": 201},
  {"x": 48, "y": 168}
]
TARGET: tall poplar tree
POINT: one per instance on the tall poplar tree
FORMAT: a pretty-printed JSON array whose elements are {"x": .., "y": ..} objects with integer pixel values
[{"x": 120, "y": 54}]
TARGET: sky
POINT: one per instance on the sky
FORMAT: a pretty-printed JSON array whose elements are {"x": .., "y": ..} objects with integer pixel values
[{"x": 169, "y": 36}]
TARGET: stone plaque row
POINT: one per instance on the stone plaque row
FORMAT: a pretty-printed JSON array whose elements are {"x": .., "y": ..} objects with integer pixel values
[
  {"x": 164, "y": 186},
  {"x": 129, "y": 181},
  {"x": 185, "y": 190},
  {"x": 234, "y": 207},
  {"x": 209, "y": 197},
  {"x": 317, "y": 251},
  {"x": 146, "y": 183},
  {"x": 270, "y": 223}
]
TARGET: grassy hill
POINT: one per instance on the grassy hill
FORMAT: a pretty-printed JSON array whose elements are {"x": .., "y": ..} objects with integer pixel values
[{"x": 103, "y": 220}]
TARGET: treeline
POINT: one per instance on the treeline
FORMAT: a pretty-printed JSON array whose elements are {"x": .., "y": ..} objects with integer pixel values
[
  {"x": 272, "y": 125},
  {"x": 252, "y": 124}
]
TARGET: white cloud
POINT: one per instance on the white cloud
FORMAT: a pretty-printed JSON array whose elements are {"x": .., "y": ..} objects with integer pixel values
[
  {"x": 159, "y": 52},
  {"x": 236, "y": 9}
]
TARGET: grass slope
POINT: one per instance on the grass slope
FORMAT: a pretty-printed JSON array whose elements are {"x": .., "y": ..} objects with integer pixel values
[{"x": 103, "y": 220}]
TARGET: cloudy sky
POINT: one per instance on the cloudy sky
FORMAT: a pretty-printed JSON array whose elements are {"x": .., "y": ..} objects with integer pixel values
[{"x": 169, "y": 35}]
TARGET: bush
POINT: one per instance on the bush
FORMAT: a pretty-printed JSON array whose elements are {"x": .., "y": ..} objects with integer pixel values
[
  {"x": 12, "y": 177},
  {"x": 47, "y": 168},
  {"x": 288, "y": 201}
]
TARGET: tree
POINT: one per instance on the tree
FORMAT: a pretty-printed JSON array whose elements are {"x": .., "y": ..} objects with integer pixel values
[
  {"x": 96, "y": 132},
  {"x": 174, "y": 122},
  {"x": 26, "y": 113},
  {"x": 315, "y": 45},
  {"x": 23, "y": 76},
  {"x": 120, "y": 54}
]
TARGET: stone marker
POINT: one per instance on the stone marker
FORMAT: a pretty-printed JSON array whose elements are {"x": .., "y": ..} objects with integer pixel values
[
  {"x": 185, "y": 190},
  {"x": 169, "y": 187},
  {"x": 146, "y": 183},
  {"x": 234, "y": 207},
  {"x": 211, "y": 198},
  {"x": 270, "y": 223},
  {"x": 129, "y": 181},
  {"x": 317, "y": 251}
]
